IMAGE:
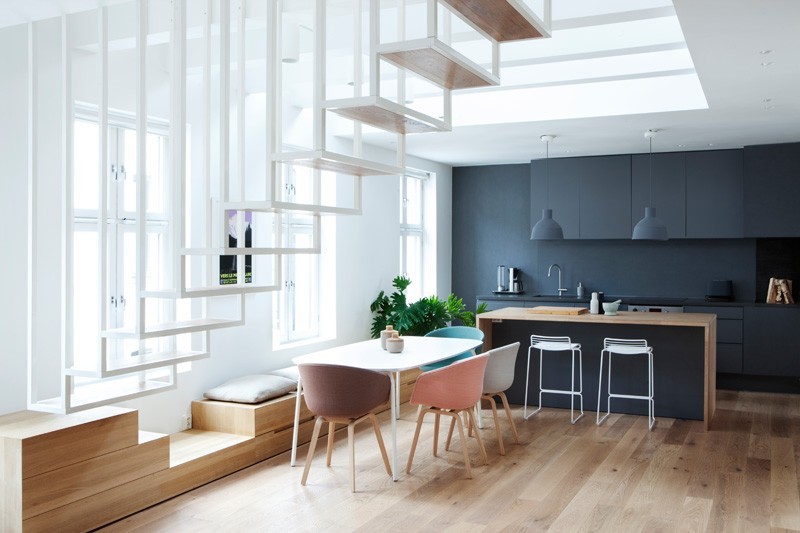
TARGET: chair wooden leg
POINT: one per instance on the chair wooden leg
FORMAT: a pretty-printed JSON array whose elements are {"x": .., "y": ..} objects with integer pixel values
[
  {"x": 377, "y": 428},
  {"x": 478, "y": 438},
  {"x": 463, "y": 444},
  {"x": 493, "y": 405},
  {"x": 331, "y": 431},
  {"x": 508, "y": 413},
  {"x": 420, "y": 416},
  {"x": 450, "y": 434},
  {"x": 436, "y": 433},
  {"x": 311, "y": 446},
  {"x": 351, "y": 437}
]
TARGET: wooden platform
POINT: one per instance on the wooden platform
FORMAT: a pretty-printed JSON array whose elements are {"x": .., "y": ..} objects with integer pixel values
[{"x": 80, "y": 471}]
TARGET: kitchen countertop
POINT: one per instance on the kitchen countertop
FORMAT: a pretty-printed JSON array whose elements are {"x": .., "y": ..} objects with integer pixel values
[
  {"x": 622, "y": 317},
  {"x": 631, "y": 300}
]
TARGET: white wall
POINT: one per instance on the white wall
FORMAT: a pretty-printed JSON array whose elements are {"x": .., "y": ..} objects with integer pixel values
[
  {"x": 366, "y": 261},
  {"x": 13, "y": 218}
]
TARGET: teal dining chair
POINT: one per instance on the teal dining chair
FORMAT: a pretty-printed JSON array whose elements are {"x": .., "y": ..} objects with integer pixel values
[{"x": 454, "y": 332}]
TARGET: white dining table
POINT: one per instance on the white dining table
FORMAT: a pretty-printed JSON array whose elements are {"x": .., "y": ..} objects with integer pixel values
[{"x": 418, "y": 351}]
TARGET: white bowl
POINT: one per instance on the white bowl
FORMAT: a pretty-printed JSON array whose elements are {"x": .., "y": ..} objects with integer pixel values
[{"x": 610, "y": 308}]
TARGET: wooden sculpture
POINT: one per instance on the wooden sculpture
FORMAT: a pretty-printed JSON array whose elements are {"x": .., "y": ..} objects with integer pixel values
[{"x": 780, "y": 291}]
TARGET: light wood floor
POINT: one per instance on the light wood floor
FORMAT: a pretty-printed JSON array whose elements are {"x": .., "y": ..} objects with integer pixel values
[{"x": 740, "y": 476}]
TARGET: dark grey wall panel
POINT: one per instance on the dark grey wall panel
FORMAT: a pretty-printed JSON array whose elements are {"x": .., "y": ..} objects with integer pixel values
[
  {"x": 491, "y": 226},
  {"x": 676, "y": 268},
  {"x": 714, "y": 197},
  {"x": 669, "y": 190},
  {"x": 770, "y": 341}
]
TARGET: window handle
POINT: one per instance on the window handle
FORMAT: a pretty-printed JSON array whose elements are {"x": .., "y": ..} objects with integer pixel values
[
  {"x": 122, "y": 172},
  {"x": 122, "y": 301},
  {"x": 114, "y": 176}
]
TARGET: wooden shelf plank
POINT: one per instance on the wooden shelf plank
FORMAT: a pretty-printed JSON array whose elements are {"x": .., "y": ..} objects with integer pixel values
[
  {"x": 333, "y": 162},
  {"x": 503, "y": 20},
  {"x": 386, "y": 115},
  {"x": 278, "y": 206},
  {"x": 437, "y": 62},
  {"x": 212, "y": 290},
  {"x": 172, "y": 328},
  {"x": 193, "y": 444}
]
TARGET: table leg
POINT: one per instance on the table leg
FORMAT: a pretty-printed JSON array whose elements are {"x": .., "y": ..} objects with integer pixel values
[
  {"x": 397, "y": 395},
  {"x": 393, "y": 416},
  {"x": 296, "y": 430}
]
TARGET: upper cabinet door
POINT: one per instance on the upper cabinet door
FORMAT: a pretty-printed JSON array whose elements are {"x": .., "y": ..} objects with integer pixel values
[
  {"x": 563, "y": 192},
  {"x": 669, "y": 190},
  {"x": 605, "y": 197},
  {"x": 714, "y": 194},
  {"x": 771, "y": 190}
]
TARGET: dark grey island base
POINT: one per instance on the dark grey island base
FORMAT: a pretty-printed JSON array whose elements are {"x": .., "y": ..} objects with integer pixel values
[{"x": 684, "y": 384}]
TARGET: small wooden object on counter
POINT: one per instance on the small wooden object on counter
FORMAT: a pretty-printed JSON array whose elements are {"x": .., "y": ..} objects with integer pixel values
[
  {"x": 552, "y": 310},
  {"x": 780, "y": 291},
  {"x": 395, "y": 343}
]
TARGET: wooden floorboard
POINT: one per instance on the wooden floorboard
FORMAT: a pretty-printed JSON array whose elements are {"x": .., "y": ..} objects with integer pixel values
[{"x": 742, "y": 475}]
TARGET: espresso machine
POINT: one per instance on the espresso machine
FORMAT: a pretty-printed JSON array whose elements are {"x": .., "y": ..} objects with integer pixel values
[
  {"x": 514, "y": 280},
  {"x": 509, "y": 280}
]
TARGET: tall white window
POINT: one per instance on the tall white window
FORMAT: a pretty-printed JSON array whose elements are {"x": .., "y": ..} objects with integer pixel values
[
  {"x": 297, "y": 309},
  {"x": 412, "y": 233},
  {"x": 121, "y": 236}
]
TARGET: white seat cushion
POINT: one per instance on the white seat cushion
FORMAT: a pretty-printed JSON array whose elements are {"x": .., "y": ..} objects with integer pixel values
[{"x": 255, "y": 388}]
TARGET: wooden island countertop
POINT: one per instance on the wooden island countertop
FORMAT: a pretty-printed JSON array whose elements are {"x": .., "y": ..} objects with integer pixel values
[{"x": 617, "y": 323}]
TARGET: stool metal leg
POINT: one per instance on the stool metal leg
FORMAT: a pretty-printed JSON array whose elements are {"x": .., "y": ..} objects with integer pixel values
[
  {"x": 651, "y": 402},
  {"x": 539, "y": 408},
  {"x": 527, "y": 378},
  {"x": 600, "y": 387},
  {"x": 572, "y": 391}
]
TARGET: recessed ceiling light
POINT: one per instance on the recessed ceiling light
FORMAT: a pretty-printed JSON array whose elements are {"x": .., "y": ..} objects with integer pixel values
[
  {"x": 764, "y": 52},
  {"x": 681, "y": 146},
  {"x": 769, "y": 107},
  {"x": 711, "y": 144},
  {"x": 765, "y": 100},
  {"x": 766, "y": 63}
]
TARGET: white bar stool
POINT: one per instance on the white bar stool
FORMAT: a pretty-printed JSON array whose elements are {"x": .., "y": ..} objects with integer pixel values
[
  {"x": 555, "y": 344},
  {"x": 627, "y": 347}
]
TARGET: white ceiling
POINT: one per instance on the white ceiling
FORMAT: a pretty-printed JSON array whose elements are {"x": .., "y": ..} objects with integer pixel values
[{"x": 693, "y": 69}]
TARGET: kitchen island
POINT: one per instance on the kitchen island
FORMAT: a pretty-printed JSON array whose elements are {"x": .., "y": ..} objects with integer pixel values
[{"x": 684, "y": 347}]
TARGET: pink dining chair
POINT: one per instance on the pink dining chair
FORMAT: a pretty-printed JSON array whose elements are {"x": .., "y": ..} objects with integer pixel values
[
  {"x": 450, "y": 391},
  {"x": 343, "y": 395}
]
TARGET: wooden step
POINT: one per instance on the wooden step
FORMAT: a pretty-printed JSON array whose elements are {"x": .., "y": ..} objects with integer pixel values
[
  {"x": 333, "y": 162},
  {"x": 386, "y": 115},
  {"x": 502, "y": 20},
  {"x": 45, "y": 441},
  {"x": 437, "y": 62},
  {"x": 63, "y": 486},
  {"x": 200, "y": 457}
]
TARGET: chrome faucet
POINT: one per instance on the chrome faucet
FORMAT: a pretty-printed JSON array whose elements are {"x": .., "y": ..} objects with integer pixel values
[{"x": 550, "y": 270}]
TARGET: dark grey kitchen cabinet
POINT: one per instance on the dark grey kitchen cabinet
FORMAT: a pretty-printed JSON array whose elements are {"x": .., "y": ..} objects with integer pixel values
[
  {"x": 562, "y": 181},
  {"x": 668, "y": 190},
  {"x": 771, "y": 190},
  {"x": 771, "y": 345},
  {"x": 605, "y": 197},
  {"x": 729, "y": 336},
  {"x": 714, "y": 194}
]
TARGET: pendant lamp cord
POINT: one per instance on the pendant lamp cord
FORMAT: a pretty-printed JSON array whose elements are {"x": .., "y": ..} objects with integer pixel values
[
  {"x": 547, "y": 171},
  {"x": 651, "y": 170}
]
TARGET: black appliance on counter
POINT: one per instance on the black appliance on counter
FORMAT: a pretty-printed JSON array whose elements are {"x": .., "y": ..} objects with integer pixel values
[{"x": 719, "y": 290}]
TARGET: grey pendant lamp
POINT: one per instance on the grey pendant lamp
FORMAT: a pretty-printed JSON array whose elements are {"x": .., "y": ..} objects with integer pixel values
[
  {"x": 650, "y": 228},
  {"x": 547, "y": 228}
]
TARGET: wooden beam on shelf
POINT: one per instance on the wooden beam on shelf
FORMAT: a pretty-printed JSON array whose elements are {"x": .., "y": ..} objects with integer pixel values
[
  {"x": 386, "y": 115},
  {"x": 437, "y": 62},
  {"x": 502, "y": 20}
]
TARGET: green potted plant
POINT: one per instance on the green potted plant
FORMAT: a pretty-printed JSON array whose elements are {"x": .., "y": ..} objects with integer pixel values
[{"x": 418, "y": 318}]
